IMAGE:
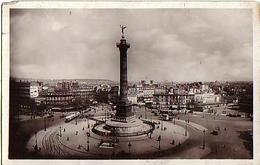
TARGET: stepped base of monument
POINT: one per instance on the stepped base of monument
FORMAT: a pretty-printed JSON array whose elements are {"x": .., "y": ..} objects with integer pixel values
[{"x": 125, "y": 128}]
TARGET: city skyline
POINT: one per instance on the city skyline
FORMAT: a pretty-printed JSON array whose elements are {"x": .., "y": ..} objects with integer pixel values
[{"x": 168, "y": 44}]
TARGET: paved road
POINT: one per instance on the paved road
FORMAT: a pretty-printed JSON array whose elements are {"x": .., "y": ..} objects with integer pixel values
[
  {"x": 230, "y": 143},
  {"x": 21, "y": 132}
]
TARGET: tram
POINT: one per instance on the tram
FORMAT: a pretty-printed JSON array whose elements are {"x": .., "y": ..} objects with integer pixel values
[{"x": 72, "y": 116}]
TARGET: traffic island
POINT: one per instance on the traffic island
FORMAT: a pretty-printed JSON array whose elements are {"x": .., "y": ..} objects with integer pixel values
[{"x": 69, "y": 140}]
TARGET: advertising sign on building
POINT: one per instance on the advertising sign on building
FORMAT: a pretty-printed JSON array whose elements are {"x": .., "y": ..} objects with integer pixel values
[{"x": 34, "y": 92}]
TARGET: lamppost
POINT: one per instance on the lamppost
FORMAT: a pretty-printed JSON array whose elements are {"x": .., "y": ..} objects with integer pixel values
[
  {"x": 44, "y": 120},
  {"x": 88, "y": 122},
  {"x": 88, "y": 134},
  {"x": 129, "y": 147},
  {"x": 159, "y": 140},
  {"x": 203, "y": 142},
  {"x": 114, "y": 132},
  {"x": 188, "y": 118},
  {"x": 186, "y": 125},
  {"x": 145, "y": 111},
  {"x": 162, "y": 124},
  {"x": 36, "y": 146},
  {"x": 60, "y": 131},
  {"x": 105, "y": 114},
  {"x": 89, "y": 129}
]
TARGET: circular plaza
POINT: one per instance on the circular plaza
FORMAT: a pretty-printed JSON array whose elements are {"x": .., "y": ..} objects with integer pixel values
[{"x": 78, "y": 138}]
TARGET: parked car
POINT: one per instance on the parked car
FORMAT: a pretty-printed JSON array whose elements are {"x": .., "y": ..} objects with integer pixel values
[{"x": 214, "y": 132}]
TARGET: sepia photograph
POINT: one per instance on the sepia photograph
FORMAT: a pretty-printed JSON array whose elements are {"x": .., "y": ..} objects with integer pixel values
[{"x": 131, "y": 83}]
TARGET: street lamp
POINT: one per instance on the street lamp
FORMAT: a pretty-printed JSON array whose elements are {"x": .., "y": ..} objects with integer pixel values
[
  {"x": 89, "y": 130},
  {"x": 186, "y": 125},
  {"x": 159, "y": 140},
  {"x": 129, "y": 146},
  {"x": 36, "y": 147},
  {"x": 145, "y": 111},
  {"x": 88, "y": 123},
  {"x": 88, "y": 134},
  {"x": 60, "y": 131},
  {"x": 44, "y": 120},
  {"x": 105, "y": 114},
  {"x": 114, "y": 132},
  {"x": 203, "y": 142}
]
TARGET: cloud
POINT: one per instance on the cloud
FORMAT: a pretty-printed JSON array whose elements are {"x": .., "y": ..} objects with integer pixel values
[{"x": 166, "y": 44}]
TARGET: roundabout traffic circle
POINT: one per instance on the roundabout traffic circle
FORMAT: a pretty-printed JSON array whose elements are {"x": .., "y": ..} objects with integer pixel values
[{"x": 77, "y": 139}]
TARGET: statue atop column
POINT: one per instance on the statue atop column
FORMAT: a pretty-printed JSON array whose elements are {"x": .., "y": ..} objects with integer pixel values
[{"x": 122, "y": 29}]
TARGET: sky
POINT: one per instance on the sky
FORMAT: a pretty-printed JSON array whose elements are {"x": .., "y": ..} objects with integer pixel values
[{"x": 165, "y": 44}]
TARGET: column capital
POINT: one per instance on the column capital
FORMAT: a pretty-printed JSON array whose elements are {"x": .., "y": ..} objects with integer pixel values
[{"x": 123, "y": 44}]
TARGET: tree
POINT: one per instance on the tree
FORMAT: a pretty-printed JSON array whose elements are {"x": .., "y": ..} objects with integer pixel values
[{"x": 77, "y": 103}]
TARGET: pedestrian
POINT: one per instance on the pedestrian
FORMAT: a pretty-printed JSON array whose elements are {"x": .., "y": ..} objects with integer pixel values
[
  {"x": 173, "y": 142},
  {"x": 101, "y": 142},
  {"x": 64, "y": 130},
  {"x": 68, "y": 139},
  {"x": 159, "y": 138}
]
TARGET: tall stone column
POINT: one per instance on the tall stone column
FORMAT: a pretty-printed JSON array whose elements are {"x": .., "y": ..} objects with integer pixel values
[
  {"x": 123, "y": 107},
  {"x": 123, "y": 46}
]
